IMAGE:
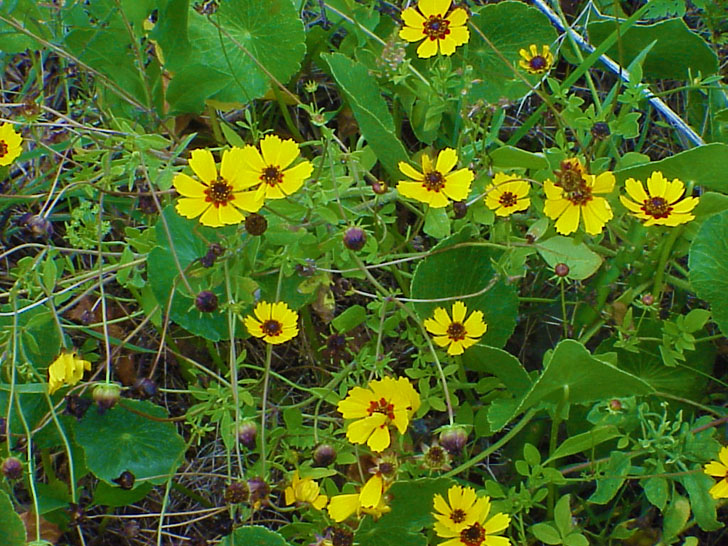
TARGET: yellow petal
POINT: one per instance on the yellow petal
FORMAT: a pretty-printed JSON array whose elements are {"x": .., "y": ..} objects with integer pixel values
[
  {"x": 230, "y": 215},
  {"x": 674, "y": 191},
  {"x": 232, "y": 166},
  {"x": 442, "y": 341},
  {"x": 359, "y": 431},
  {"x": 604, "y": 183},
  {"x": 434, "y": 7},
  {"x": 635, "y": 190},
  {"x": 410, "y": 34},
  {"x": 371, "y": 493},
  {"x": 456, "y": 348},
  {"x": 408, "y": 170},
  {"x": 656, "y": 184},
  {"x": 723, "y": 456},
  {"x": 553, "y": 192},
  {"x": 380, "y": 439},
  {"x": 475, "y": 326},
  {"x": 412, "y": 18},
  {"x": 553, "y": 208},
  {"x": 719, "y": 490},
  {"x": 568, "y": 222},
  {"x": 203, "y": 165},
  {"x": 427, "y": 49},
  {"x": 686, "y": 205},
  {"x": 714, "y": 468},
  {"x": 437, "y": 199},
  {"x": 497, "y": 523},
  {"x": 632, "y": 206},
  {"x": 447, "y": 45},
  {"x": 459, "y": 310},
  {"x": 446, "y": 161},
  {"x": 343, "y": 506},
  {"x": 187, "y": 186},
  {"x": 191, "y": 207},
  {"x": 458, "y": 36},
  {"x": 270, "y": 147},
  {"x": 264, "y": 311},
  {"x": 294, "y": 177},
  {"x": 457, "y": 17},
  {"x": 249, "y": 201}
]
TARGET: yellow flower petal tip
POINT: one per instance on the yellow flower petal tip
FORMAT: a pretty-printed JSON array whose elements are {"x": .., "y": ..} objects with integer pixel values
[
  {"x": 534, "y": 61},
  {"x": 10, "y": 144},
  {"x": 574, "y": 198},
  {"x": 370, "y": 500},
  {"x": 438, "y": 183},
  {"x": 440, "y": 29},
  {"x": 456, "y": 333},
  {"x": 67, "y": 369},
  {"x": 662, "y": 204},
  {"x": 275, "y": 323},
  {"x": 463, "y": 519},
  {"x": 306, "y": 491},
  {"x": 385, "y": 403},
  {"x": 507, "y": 194},
  {"x": 719, "y": 469}
]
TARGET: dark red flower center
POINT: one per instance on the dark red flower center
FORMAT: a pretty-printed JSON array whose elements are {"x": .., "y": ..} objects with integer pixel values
[
  {"x": 381, "y": 406},
  {"x": 271, "y": 328},
  {"x": 3, "y": 148},
  {"x": 570, "y": 180},
  {"x": 457, "y": 515},
  {"x": 434, "y": 181},
  {"x": 580, "y": 196},
  {"x": 219, "y": 193},
  {"x": 538, "y": 63},
  {"x": 456, "y": 331},
  {"x": 657, "y": 207},
  {"x": 436, "y": 27},
  {"x": 508, "y": 199},
  {"x": 272, "y": 175},
  {"x": 473, "y": 535}
]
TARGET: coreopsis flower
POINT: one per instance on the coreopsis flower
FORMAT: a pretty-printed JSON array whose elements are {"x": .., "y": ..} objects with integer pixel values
[
  {"x": 67, "y": 369},
  {"x": 10, "y": 144},
  {"x": 465, "y": 520},
  {"x": 507, "y": 194},
  {"x": 574, "y": 196},
  {"x": 436, "y": 183},
  {"x": 218, "y": 199},
  {"x": 305, "y": 490},
  {"x": 270, "y": 168},
  {"x": 431, "y": 22},
  {"x": 719, "y": 469},
  {"x": 458, "y": 333},
  {"x": 274, "y": 322},
  {"x": 662, "y": 204},
  {"x": 534, "y": 62},
  {"x": 370, "y": 500},
  {"x": 385, "y": 402}
]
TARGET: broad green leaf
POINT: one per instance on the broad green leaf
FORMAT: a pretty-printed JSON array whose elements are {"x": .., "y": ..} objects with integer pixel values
[
  {"x": 230, "y": 64},
  {"x": 455, "y": 269},
  {"x": 31, "y": 15},
  {"x": 510, "y": 157},
  {"x": 546, "y": 533},
  {"x": 697, "y": 485},
  {"x": 256, "y": 535},
  {"x": 675, "y": 517},
  {"x": 350, "y": 318},
  {"x": 703, "y": 166},
  {"x": 656, "y": 491},
  {"x": 615, "y": 472},
  {"x": 437, "y": 223},
  {"x": 510, "y": 27},
  {"x": 582, "y": 261},
  {"x": 501, "y": 364},
  {"x": 585, "y": 441},
  {"x": 677, "y": 49},
  {"x": 13, "y": 530},
  {"x": 370, "y": 109},
  {"x": 113, "y": 495},
  {"x": 708, "y": 263},
  {"x": 562, "y": 515},
  {"x": 120, "y": 440},
  {"x": 39, "y": 335}
]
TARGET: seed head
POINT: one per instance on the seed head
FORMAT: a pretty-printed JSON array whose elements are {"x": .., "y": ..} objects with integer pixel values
[
  {"x": 12, "y": 468},
  {"x": 206, "y": 302},
  {"x": 453, "y": 439},
  {"x": 561, "y": 270},
  {"x": 354, "y": 238},
  {"x": 255, "y": 224},
  {"x": 324, "y": 455},
  {"x": 106, "y": 395}
]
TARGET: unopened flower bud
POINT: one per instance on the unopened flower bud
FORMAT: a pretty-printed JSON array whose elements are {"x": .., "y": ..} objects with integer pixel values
[
  {"x": 460, "y": 208},
  {"x": 12, "y": 468},
  {"x": 247, "y": 433},
  {"x": 615, "y": 404},
  {"x": 206, "y": 302},
  {"x": 106, "y": 395},
  {"x": 600, "y": 130},
  {"x": 255, "y": 224},
  {"x": 561, "y": 270},
  {"x": 648, "y": 299},
  {"x": 354, "y": 238},
  {"x": 237, "y": 492},
  {"x": 39, "y": 227},
  {"x": 453, "y": 439},
  {"x": 324, "y": 455},
  {"x": 125, "y": 480},
  {"x": 380, "y": 187}
]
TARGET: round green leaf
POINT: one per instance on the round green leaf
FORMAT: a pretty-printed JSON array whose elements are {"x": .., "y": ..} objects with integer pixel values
[
  {"x": 582, "y": 261},
  {"x": 230, "y": 64},
  {"x": 457, "y": 271},
  {"x": 708, "y": 265},
  {"x": 119, "y": 440},
  {"x": 510, "y": 27},
  {"x": 253, "y": 535},
  {"x": 13, "y": 530}
]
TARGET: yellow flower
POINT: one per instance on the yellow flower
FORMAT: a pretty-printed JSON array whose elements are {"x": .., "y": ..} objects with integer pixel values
[
  {"x": 305, "y": 490},
  {"x": 661, "y": 205},
  {"x": 385, "y": 402},
  {"x": 572, "y": 197},
  {"x": 217, "y": 199},
  {"x": 534, "y": 62},
  {"x": 275, "y": 322},
  {"x": 463, "y": 510},
  {"x": 439, "y": 29},
  {"x": 370, "y": 500},
  {"x": 457, "y": 334},
  {"x": 10, "y": 144},
  {"x": 270, "y": 170},
  {"x": 67, "y": 369},
  {"x": 719, "y": 469},
  {"x": 507, "y": 194},
  {"x": 474, "y": 527},
  {"x": 434, "y": 185}
]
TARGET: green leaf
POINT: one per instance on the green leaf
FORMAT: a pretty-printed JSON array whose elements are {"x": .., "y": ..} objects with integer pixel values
[
  {"x": 350, "y": 319},
  {"x": 562, "y": 515},
  {"x": 113, "y": 495},
  {"x": 546, "y": 533},
  {"x": 510, "y": 27},
  {"x": 228, "y": 65},
  {"x": 697, "y": 485},
  {"x": 437, "y": 223},
  {"x": 656, "y": 491},
  {"x": 253, "y": 535},
  {"x": 616, "y": 470},
  {"x": 370, "y": 109},
  {"x": 675, "y": 518},
  {"x": 582, "y": 261},
  {"x": 585, "y": 441},
  {"x": 120, "y": 440},
  {"x": 40, "y": 339},
  {"x": 455, "y": 271},
  {"x": 32, "y": 16},
  {"x": 702, "y": 166},
  {"x": 510, "y": 157},
  {"x": 12, "y": 526},
  {"x": 676, "y": 50},
  {"x": 708, "y": 263}
]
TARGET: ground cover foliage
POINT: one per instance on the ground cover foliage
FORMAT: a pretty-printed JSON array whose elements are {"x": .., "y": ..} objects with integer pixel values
[{"x": 340, "y": 272}]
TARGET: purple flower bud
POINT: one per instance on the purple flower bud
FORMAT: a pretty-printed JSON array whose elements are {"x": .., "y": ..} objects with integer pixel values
[{"x": 354, "y": 238}]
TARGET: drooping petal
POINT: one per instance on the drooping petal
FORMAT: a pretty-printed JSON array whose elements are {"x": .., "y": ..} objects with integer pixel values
[
  {"x": 203, "y": 165},
  {"x": 371, "y": 493},
  {"x": 191, "y": 207}
]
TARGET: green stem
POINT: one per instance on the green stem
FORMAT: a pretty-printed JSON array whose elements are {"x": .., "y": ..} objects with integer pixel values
[{"x": 667, "y": 245}]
